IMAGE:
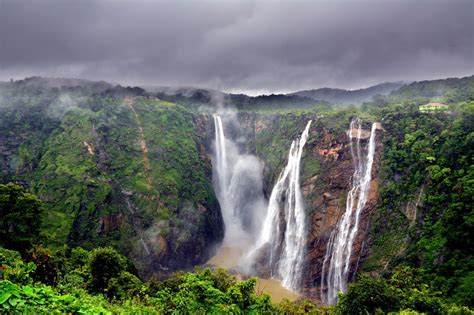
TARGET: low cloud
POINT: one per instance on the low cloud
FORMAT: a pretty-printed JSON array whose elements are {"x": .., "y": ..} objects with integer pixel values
[{"x": 251, "y": 46}]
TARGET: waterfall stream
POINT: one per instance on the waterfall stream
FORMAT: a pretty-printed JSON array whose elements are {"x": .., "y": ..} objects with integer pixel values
[
  {"x": 286, "y": 211},
  {"x": 336, "y": 263},
  {"x": 238, "y": 184}
]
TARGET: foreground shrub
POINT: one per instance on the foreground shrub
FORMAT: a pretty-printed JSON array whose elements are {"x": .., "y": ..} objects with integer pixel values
[
  {"x": 124, "y": 286},
  {"x": 36, "y": 299},
  {"x": 207, "y": 291},
  {"x": 367, "y": 296},
  {"x": 300, "y": 307},
  {"x": 13, "y": 268},
  {"x": 49, "y": 264}
]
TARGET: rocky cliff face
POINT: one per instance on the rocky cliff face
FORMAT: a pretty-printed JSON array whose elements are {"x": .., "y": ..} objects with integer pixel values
[
  {"x": 326, "y": 179},
  {"x": 326, "y": 202}
]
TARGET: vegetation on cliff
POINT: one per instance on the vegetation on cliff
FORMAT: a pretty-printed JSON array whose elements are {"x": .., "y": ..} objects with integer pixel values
[
  {"x": 130, "y": 175},
  {"x": 424, "y": 217}
]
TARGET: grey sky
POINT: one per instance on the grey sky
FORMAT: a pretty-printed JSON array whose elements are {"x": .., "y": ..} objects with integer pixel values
[{"x": 250, "y": 46}]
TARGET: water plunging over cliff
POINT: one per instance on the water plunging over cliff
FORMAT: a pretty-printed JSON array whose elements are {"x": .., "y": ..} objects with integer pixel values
[
  {"x": 336, "y": 262},
  {"x": 238, "y": 185},
  {"x": 286, "y": 211}
]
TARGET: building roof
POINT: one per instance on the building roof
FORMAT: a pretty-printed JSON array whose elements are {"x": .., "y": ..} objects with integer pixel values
[{"x": 435, "y": 105}]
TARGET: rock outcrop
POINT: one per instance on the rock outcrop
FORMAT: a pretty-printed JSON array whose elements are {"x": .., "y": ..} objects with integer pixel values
[
  {"x": 326, "y": 202},
  {"x": 326, "y": 179}
]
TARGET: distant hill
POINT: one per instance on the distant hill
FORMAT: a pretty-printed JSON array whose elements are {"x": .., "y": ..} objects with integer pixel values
[
  {"x": 48, "y": 83},
  {"x": 195, "y": 97},
  {"x": 67, "y": 85},
  {"x": 454, "y": 89},
  {"x": 341, "y": 96}
]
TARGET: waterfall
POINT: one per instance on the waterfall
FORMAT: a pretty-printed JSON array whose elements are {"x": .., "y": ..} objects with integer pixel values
[
  {"x": 336, "y": 263},
  {"x": 286, "y": 210},
  {"x": 239, "y": 188},
  {"x": 221, "y": 164}
]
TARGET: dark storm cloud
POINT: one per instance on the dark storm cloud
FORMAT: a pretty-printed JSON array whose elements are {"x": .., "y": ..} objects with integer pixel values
[{"x": 238, "y": 45}]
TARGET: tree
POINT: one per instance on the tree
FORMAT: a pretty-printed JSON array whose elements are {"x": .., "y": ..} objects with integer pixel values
[
  {"x": 124, "y": 286},
  {"x": 20, "y": 217},
  {"x": 368, "y": 295},
  {"x": 105, "y": 263}
]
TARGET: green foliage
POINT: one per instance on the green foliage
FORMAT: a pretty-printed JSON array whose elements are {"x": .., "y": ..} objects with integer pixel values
[
  {"x": 459, "y": 310},
  {"x": 76, "y": 273},
  {"x": 49, "y": 264},
  {"x": 210, "y": 291},
  {"x": 203, "y": 291},
  {"x": 124, "y": 286},
  {"x": 79, "y": 257},
  {"x": 20, "y": 217},
  {"x": 105, "y": 264},
  {"x": 42, "y": 299},
  {"x": 463, "y": 294},
  {"x": 413, "y": 293},
  {"x": 404, "y": 290},
  {"x": 89, "y": 168},
  {"x": 368, "y": 295},
  {"x": 303, "y": 306},
  {"x": 13, "y": 268},
  {"x": 427, "y": 165}
]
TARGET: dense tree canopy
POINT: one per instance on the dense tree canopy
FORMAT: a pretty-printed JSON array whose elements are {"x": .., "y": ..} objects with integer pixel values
[{"x": 20, "y": 217}]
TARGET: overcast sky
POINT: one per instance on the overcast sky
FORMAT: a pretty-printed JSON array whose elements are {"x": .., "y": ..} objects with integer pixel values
[{"x": 238, "y": 46}]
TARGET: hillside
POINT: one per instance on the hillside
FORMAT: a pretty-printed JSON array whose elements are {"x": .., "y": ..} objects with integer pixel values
[{"x": 345, "y": 97}]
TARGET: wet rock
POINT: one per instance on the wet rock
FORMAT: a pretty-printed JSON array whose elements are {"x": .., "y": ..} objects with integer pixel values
[{"x": 329, "y": 204}]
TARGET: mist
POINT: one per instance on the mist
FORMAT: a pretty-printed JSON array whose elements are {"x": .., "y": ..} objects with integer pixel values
[{"x": 238, "y": 182}]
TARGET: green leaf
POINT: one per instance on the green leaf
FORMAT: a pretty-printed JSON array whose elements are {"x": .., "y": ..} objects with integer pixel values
[
  {"x": 4, "y": 297},
  {"x": 13, "y": 302},
  {"x": 28, "y": 291},
  {"x": 67, "y": 298}
]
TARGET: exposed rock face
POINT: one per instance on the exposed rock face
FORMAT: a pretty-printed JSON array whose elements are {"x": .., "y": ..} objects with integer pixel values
[
  {"x": 325, "y": 188},
  {"x": 110, "y": 223},
  {"x": 326, "y": 203}
]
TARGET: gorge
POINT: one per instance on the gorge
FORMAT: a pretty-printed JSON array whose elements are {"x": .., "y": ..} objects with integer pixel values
[
  {"x": 308, "y": 200},
  {"x": 282, "y": 236}
]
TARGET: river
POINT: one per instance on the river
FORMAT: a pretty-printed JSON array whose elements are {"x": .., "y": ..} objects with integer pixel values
[{"x": 228, "y": 258}]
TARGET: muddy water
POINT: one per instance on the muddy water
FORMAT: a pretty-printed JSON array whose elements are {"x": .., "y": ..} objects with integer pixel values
[{"x": 228, "y": 257}]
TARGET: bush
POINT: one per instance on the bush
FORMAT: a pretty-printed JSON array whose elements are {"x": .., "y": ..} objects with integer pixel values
[
  {"x": 79, "y": 257},
  {"x": 465, "y": 292},
  {"x": 77, "y": 274},
  {"x": 41, "y": 299},
  {"x": 20, "y": 214},
  {"x": 212, "y": 292},
  {"x": 13, "y": 268},
  {"x": 459, "y": 310},
  {"x": 105, "y": 263},
  {"x": 368, "y": 295},
  {"x": 124, "y": 286},
  {"x": 49, "y": 264},
  {"x": 298, "y": 307}
]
